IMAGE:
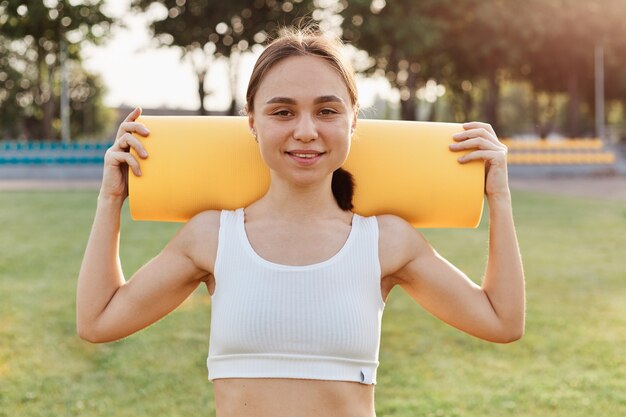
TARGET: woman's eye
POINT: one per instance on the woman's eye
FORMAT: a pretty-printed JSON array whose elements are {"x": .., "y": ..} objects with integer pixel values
[{"x": 281, "y": 113}]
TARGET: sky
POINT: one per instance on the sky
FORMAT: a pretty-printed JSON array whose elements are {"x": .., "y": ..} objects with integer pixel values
[{"x": 137, "y": 73}]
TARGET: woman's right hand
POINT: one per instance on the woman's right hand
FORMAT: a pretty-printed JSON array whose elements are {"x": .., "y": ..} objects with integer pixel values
[{"x": 118, "y": 158}]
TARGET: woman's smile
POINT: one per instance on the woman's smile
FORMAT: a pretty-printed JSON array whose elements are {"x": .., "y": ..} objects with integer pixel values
[{"x": 305, "y": 158}]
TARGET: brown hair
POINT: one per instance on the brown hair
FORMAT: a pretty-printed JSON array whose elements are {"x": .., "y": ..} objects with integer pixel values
[{"x": 308, "y": 42}]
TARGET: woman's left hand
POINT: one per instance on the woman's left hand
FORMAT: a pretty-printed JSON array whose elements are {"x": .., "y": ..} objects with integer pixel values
[{"x": 482, "y": 137}]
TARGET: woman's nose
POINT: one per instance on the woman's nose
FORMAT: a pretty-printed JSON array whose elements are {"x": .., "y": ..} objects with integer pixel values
[{"x": 305, "y": 129}]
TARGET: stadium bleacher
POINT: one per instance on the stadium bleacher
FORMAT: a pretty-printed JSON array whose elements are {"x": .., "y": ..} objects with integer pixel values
[
  {"x": 558, "y": 152},
  {"x": 14, "y": 152}
]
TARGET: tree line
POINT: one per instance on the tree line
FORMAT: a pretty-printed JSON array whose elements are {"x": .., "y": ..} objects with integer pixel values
[{"x": 476, "y": 50}]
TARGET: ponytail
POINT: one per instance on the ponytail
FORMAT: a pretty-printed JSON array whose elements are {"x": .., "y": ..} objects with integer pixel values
[{"x": 343, "y": 188}]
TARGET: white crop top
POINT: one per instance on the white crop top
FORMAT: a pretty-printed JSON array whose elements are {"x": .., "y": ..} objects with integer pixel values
[{"x": 319, "y": 321}]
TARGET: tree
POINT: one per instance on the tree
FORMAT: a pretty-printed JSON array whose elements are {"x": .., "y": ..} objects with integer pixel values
[
  {"x": 486, "y": 41},
  {"x": 402, "y": 38},
  {"x": 206, "y": 30},
  {"x": 19, "y": 112},
  {"x": 39, "y": 29},
  {"x": 14, "y": 87},
  {"x": 558, "y": 57},
  {"x": 89, "y": 116},
  {"x": 561, "y": 59}
]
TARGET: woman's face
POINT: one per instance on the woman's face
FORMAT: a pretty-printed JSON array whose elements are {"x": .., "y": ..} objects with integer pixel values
[{"x": 303, "y": 118}]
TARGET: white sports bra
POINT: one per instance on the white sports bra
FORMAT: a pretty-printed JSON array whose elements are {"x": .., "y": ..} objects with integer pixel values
[{"x": 319, "y": 321}]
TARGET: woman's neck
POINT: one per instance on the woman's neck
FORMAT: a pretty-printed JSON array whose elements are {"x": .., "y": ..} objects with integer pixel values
[{"x": 296, "y": 202}]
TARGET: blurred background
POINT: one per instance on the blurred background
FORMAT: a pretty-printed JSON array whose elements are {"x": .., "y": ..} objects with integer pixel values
[
  {"x": 536, "y": 70},
  {"x": 528, "y": 68}
]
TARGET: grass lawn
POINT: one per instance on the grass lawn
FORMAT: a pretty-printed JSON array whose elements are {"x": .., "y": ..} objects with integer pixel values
[{"x": 571, "y": 362}]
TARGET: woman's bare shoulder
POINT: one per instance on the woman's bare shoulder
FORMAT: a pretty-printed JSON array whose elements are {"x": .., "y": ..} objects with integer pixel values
[
  {"x": 200, "y": 235},
  {"x": 394, "y": 228},
  {"x": 398, "y": 242},
  {"x": 206, "y": 219},
  {"x": 391, "y": 221}
]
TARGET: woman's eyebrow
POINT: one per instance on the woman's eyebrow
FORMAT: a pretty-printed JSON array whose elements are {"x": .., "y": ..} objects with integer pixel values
[
  {"x": 326, "y": 99},
  {"x": 318, "y": 100},
  {"x": 284, "y": 100}
]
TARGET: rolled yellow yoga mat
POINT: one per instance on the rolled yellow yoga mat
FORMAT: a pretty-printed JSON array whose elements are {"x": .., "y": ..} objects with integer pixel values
[{"x": 198, "y": 163}]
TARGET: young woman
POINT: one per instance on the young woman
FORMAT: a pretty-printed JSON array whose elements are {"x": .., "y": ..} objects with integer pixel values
[{"x": 298, "y": 281}]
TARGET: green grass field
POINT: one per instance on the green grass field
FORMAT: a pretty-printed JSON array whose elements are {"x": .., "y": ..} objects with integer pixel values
[{"x": 571, "y": 362}]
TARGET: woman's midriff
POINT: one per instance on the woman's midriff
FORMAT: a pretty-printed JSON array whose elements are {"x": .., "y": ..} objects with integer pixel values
[{"x": 282, "y": 397}]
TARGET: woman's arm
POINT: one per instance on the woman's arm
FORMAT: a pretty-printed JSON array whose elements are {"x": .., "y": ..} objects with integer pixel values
[
  {"x": 494, "y": 311},
  {"x": 504, "y": 282},
  {"x": 108, "y": 307}
]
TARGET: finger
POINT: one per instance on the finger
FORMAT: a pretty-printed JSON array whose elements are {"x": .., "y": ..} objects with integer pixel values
[
  {"x": 486, "y": 155},
  {"x": 473, "y": 133},
  {"x": 133, "y": 115},
  {"x": 480, "y": 143},
  {"x": 479, "y": 125},
  {"x": 118, "y": 158},
  {"x": 135, "y": 127},
  {"x": 127, "y": 141}
]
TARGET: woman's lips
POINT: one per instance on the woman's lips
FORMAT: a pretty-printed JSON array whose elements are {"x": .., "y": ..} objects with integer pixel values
[{"x": 310, "y": 159}]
